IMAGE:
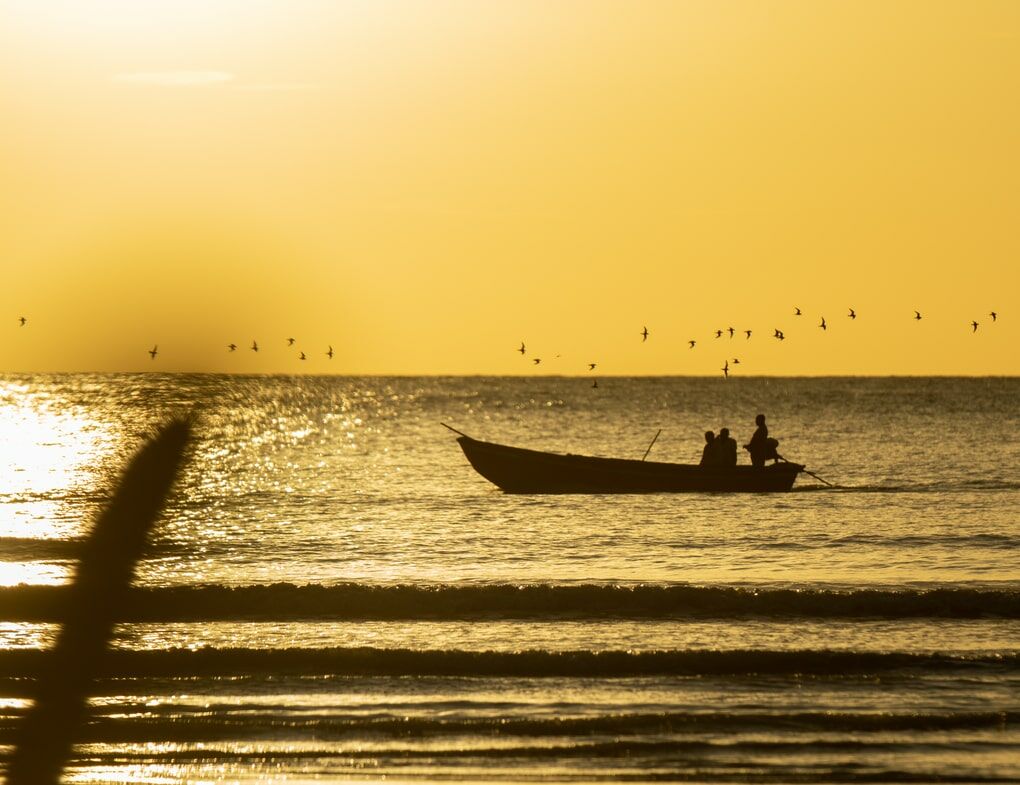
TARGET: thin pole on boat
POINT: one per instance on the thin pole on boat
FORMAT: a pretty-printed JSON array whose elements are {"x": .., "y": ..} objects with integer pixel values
[
  {"x": 461, "y": 433},
  {"x": 650, "y": 445}
]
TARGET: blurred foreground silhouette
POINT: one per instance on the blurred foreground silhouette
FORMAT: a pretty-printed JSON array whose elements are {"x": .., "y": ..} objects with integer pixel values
[{"x": 94, "y": 605}]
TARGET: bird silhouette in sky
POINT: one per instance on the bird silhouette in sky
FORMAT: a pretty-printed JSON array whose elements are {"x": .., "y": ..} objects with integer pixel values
[
  {"x": 748, "y": 334},
  {"x": 537, "y": 360},
  {"x": 329, "y": 354},
  {"x": 644, "y": 335},
  {"x": 22, "y": 320},
  {"x": 153, "y": 352},
  {"x": 917, "y": 316},
  {"x": 736, "y": 361},
  {"x": 692, "y": 343},
  {"x": 302, "y": 357},
  {"x": 254, "y": 346},
  {"x": 522, "y": 350},
  {"x": 779, "y": 334},
  {"x": 232, "y": 347},
  {"x": 796, "y": 311},
  {"x": 591, "y": 366},
  {"x": 974, "y": 325},
  {"x": 731, "y": 331},
  {"x": 852, "y": 314},
  {"x": 994, "y": 315},
  {"x": 822, "y": 325},
  {"x": 290, "y": 342},
  {"x": 726, "y": 370},
  {"x": 718, "y": 333}
]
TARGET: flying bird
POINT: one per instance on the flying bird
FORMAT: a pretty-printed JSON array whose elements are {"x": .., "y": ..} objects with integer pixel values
[
  {"x": 736, "y": 361},
  {"x": 290, "y": 342},
  {"x": 329, "y": 354},
  {"x": 521, "y": 350},
  {"x": 153, "y": 352},
  {"x": 726, "y": 369},
  {"x": 591, "y": 366},
  {"x": 537, "y": 360},
  {"x": 975, "y": 326},
  {"x": 692, "y": 343},
  {"x": 232, "y": 347},
  {"x": 718, "y": 333},
  {"x": 302, "y": 357},
  {"x": 796, "y": 311},
  {"x": 994, "y": 315},
  {"x": 917, "y": 316},
  {"x": 779, "y": 334},
  {"x": 23, "y": 320},
  {"x": 852, "y": 314},
  {"x": 822, "y": 325},
  {"x": 748, "y": 334},
  {"x": 644, "y": 335},
  {"x": 731, "y": 331},
  {"x": 254, "y": 346}
]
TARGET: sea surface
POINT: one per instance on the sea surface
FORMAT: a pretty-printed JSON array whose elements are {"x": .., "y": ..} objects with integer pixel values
[{"x": 334, "y": 594}]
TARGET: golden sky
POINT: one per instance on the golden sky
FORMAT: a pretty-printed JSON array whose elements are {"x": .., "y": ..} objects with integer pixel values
[{"x": 423, "y": 184}]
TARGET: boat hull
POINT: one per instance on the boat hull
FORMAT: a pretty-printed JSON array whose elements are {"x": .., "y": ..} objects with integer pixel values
[{"x": 517, "y": 470}]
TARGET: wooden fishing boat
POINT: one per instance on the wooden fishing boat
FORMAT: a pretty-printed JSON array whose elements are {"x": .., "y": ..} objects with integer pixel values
[{"x": 517, "y": 470}]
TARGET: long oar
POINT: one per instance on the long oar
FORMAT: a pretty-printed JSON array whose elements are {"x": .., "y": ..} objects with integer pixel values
[
  {"x": 820, "y": 479},
  {"x": 650, "y": 445}
]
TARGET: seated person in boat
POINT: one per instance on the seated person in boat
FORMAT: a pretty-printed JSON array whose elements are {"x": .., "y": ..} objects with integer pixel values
[
  {"x": 710, "y": 453},
  {"x": 727, "y": 447},
  {"x": 761, "y": 446}
]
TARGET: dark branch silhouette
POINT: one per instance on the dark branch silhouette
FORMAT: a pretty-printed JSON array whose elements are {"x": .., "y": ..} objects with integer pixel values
[{"x": 95, "y": 603}]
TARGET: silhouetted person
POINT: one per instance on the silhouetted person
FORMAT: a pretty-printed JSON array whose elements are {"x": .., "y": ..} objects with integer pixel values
[
  {"x": 758, "y": 446},
  {"x": 727, "y": 448},
  {"x": 708, "y": 453}
]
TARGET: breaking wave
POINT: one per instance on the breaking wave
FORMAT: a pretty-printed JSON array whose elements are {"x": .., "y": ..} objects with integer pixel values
[{"x": 360, "y": 601}]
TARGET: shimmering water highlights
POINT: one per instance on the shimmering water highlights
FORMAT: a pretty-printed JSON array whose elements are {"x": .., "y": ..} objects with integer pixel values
[{"x": 335, "y": 594}]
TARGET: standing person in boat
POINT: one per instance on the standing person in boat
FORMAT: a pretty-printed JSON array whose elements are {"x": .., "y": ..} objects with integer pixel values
[
  {"x": 758, "y": 446},
  {"x": 727, "y": 448},
  {"x": 710, "y": 452}
]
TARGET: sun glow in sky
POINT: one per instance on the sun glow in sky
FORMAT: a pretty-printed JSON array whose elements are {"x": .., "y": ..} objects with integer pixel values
[{"x": 424, "y": 185}]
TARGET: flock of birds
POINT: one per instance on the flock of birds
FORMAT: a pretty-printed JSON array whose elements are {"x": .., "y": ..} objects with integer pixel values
[
  {"x": 231, "y": 347},
  {"x": 776, "y": 334},
  {"x": 692, "y": 343}
]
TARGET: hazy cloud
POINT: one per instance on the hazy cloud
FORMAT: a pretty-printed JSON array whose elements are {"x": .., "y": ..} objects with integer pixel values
[{"x": 175, "y": 78}]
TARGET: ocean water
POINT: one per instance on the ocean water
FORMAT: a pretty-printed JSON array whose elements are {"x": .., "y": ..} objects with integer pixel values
[{"x": 334, "y": 594}]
